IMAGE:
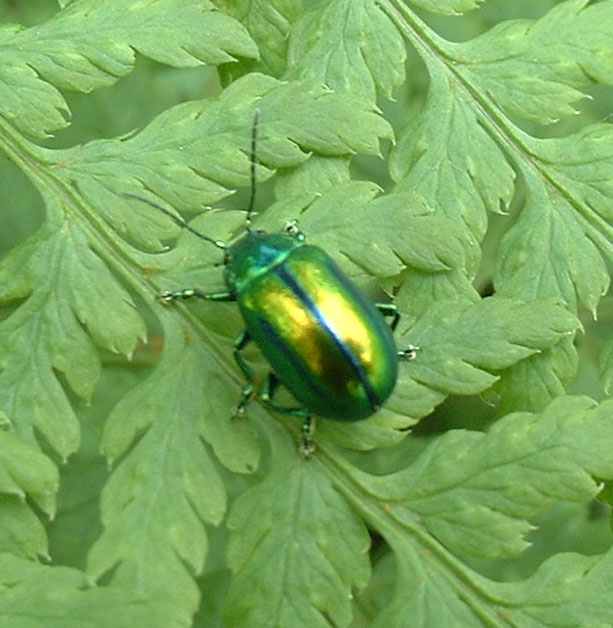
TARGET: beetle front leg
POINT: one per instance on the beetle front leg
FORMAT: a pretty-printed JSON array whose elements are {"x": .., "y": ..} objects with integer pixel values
[
  {"x": 269, "y": 389},
  {"x": 187, "y": 293}
]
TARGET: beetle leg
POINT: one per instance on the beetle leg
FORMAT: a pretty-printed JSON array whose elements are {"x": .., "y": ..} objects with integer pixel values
[
  {"x": 239, "y": 344},
  {"x": 307, "y": 446},
  {"x": 389, "y": 309},
  {"x": 269, "y": 388},
  {"x": 187, "y": 293},
  {"x": 409, "y": 354}
]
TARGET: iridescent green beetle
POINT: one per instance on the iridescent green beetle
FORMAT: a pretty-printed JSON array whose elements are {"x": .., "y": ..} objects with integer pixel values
[{"x": 324, "y": 340}]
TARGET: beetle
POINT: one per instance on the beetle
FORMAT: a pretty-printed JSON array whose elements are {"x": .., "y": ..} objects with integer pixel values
[{"x": 323, "y": 338}]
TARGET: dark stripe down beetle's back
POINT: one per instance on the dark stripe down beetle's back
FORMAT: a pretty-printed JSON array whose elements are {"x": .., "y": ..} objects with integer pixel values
[{"x": 325, "y": 341}]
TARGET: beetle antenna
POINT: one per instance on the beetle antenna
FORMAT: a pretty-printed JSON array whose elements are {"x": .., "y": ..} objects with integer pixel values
[
  {"x": 254, "y": 141},
  {"x": 179, "y": 221}
]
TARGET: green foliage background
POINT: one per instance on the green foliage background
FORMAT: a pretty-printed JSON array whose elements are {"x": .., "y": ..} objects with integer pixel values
[{"x": 455, "y": 154}]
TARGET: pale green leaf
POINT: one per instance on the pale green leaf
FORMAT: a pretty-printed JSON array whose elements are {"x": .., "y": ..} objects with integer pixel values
[
  {"x": 606, "y": 367},
  {"x": 163, "y": 492},
  {"x": 444, "y": 160},
  {"x": 196, "y": 153},
  {"x": 312, "y": 177},
  {"x": 296, "y": 549},
  {"x": 30, "y": 103},
  {"x": 21, "y": 531},
  {"x": 448, "y": 7},
  {"x": 24, "y": 470},
  {"x": 536, "y": 69},
  {"x": 91, "y": 43},
  {"x": 350, "y": 45},
  {"x": 547, "y": 252},
  {"x": 35, "y": 596},
  {"x": 567, "y": 590},
  {"x": 345, "y": 216},
  {"x": 167, "y": 486},
  {"x": 420, "y": 289},
  {"x": 532, "y": 383},
  {"x": 473, "y": 493},
  {"x": 532, "y": 69},
  {"x": 68, "y": 287},
  {"x": 499, "y": 479},
  {"x": 299, "y": 543},
  {"x": 269, "y": 24},
  {"x": 462, "y": 345}
]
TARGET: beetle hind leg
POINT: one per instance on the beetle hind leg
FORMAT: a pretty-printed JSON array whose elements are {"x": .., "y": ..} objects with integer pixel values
[{"x": 269, "y": 389}]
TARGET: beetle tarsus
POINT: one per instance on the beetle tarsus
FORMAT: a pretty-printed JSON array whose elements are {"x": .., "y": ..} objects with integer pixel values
[
  {"x": 165, "y": 297},
  {"x": 292, "y": 229},
  {"x": 240, "y": 410},
  {"x": 168, "y": 296},
  {"x": 307, "y": 444},
  {"x": 409, "y": 354}
]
